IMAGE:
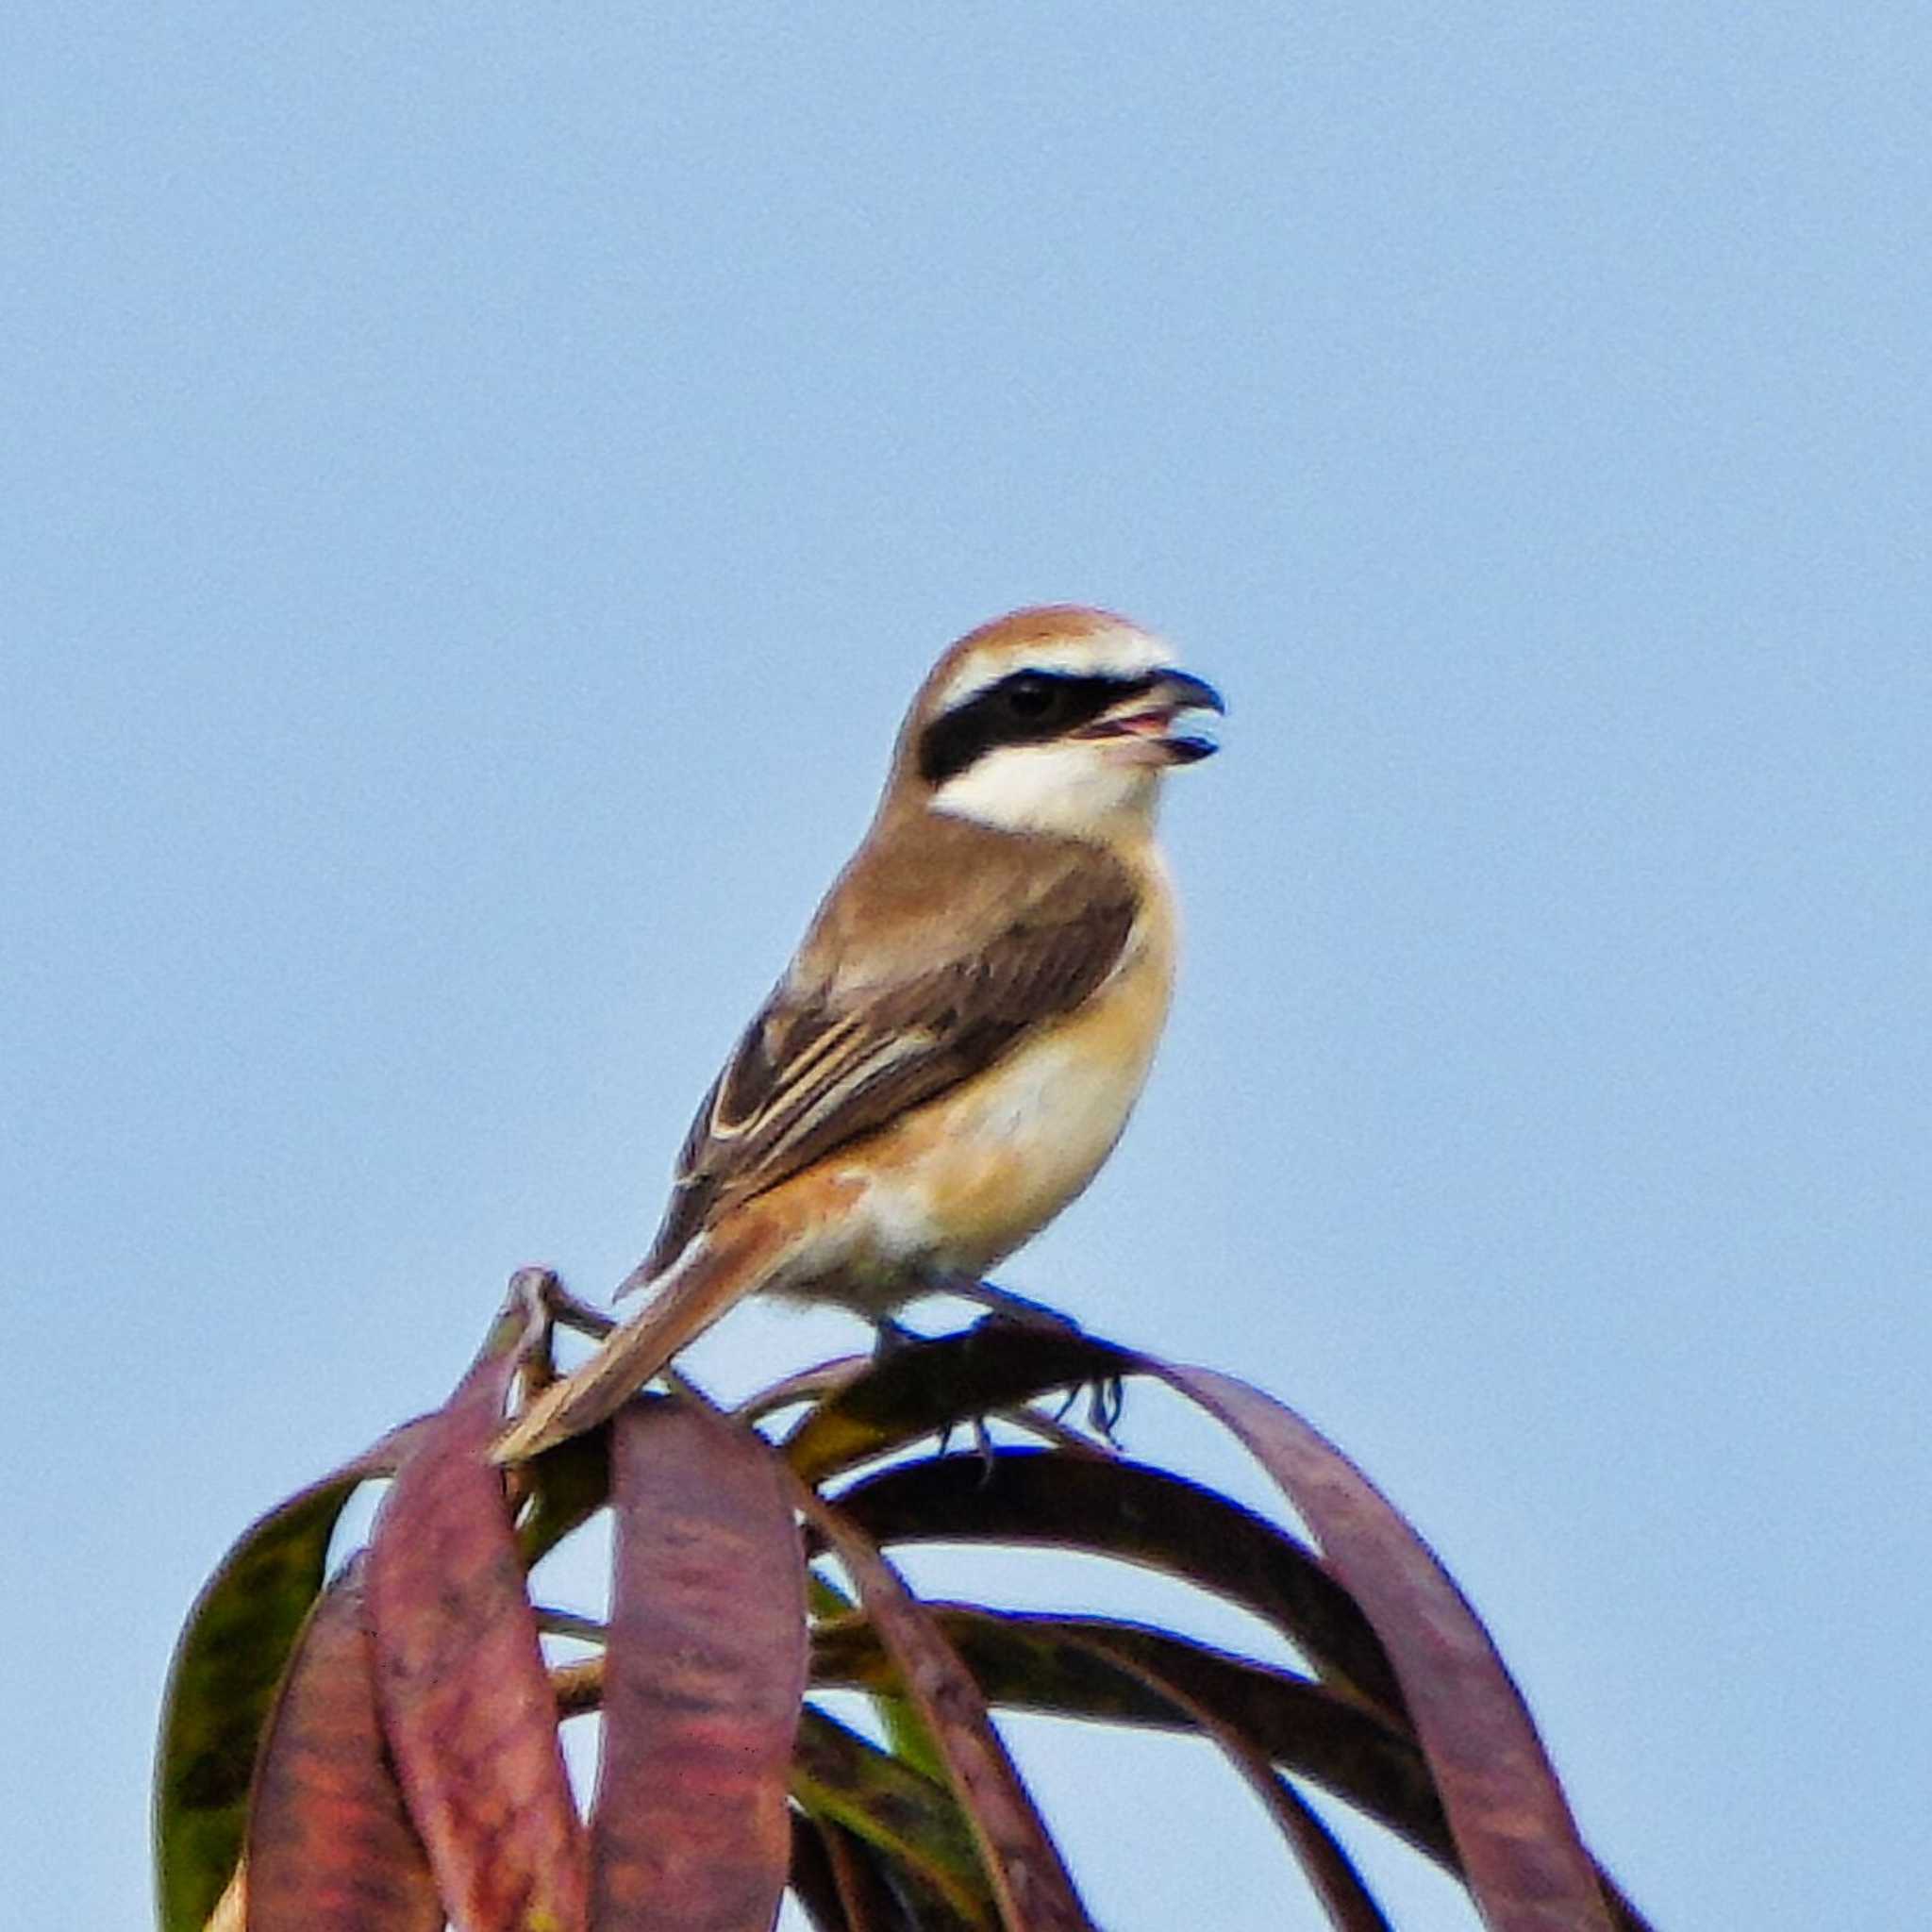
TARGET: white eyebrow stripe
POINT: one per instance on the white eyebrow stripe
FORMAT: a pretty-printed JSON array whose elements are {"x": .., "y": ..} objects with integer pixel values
[{"x": 1119, "y": 651}]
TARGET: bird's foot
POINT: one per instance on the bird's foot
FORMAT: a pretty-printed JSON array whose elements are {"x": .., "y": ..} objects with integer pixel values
[{"x": 1105, "y": 1396}]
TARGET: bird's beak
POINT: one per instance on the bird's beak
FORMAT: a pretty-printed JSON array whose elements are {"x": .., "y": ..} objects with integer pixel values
[{"x": 1161, "y": 724}]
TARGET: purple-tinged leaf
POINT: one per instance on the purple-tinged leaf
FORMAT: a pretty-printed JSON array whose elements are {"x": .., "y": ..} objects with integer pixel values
[
  {"x": 1523, "y": 1862},
  {"x": 330, "y": 1847},
  {"x": 704, "y": 1675},
  {"x": 465, "y": 1700}
]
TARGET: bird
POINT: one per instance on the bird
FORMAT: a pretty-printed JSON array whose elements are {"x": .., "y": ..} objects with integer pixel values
[{"x": 960, "y": 1038}]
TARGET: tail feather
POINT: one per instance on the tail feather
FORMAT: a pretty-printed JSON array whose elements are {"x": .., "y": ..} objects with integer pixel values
[{"x": 715, "y": 1273}]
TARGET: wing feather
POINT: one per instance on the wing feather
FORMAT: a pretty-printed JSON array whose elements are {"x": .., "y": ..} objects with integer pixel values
[{"x": 838, "y": 1054}]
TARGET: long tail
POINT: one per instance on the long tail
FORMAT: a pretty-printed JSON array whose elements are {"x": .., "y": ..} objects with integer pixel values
[{"x": 714, "y": 1274}]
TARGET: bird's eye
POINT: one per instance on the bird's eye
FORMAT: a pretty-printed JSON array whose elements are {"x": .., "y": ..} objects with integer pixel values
[{"x": 1030, "y": 696}]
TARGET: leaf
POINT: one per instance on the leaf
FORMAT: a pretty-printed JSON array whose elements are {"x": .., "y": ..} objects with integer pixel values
[
  {"x": 816, "y": 1384},
  {"x": 222, "y": 1683},
  {"x": 905, "y": 1733},
  {"x": 1330, "y": 1870},
  {"x": 1523, "y": 1862},
  {"x": 465, "y": 1700},
  {"x": 704, "y": 1675},
  {"x": 567, "y": 1486},
  {"x": 925, "y": 1386},
  {"x": 1331, "y": 1873},
  {"x": 1098, "y": 1668},
  {"x": 1032, "y": 1885},
  {"x": 812, "y": 1881},
  {"x": 846, "y": 1886},
  {"x": 1118, "y": 1508},
  {"x": 838, "y": 1777},
  {"x": 330, "y": 1848}
]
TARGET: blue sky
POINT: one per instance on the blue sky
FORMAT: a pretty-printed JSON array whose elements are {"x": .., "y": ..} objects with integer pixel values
[{"x": 481, "y": 486}]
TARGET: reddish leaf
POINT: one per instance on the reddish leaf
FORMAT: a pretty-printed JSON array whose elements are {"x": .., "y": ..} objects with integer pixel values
[
  {"x": 330, "y": 1848},
  {"x": 222, "y": 1683},
  {"x": 703, "y": 1679},
  {"x": 1525, "y": 1866},
  {"x": 1035, "y": 1892},
  {"x": 465, "y": 1699}
]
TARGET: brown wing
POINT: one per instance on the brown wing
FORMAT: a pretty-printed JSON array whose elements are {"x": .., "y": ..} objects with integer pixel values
[{"x": 828, "y": 1061}]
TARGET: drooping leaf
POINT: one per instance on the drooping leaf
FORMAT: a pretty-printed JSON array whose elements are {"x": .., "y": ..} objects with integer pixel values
[
  {"x": 1110, "y": 1507},
  {"x": 1523, "y": 1862},
  {"x": 567, "y": 1486},
  {"x": 906, "y": 1732},
  {"x": 465, "y": 1700},
  {"x": 1097, "y": 1668},
  {"x": 222, "y": 1683},
  {"x": 926, "y": 1386},
  {"x": 847, "y": 1885},
  {"x": 1330, "y": 1872},
  {"x": 704, "y": 1677},
  {"x": 1032, "y": 1885},
  {"x": 812, "y": 1881},
  {"x": 330, "y": 1846},
  {"x": 817, "y": 1384},
  {"x": 841, "y": 1778}
]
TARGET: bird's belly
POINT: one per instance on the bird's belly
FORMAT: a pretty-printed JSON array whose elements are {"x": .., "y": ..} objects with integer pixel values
[{"x": 965, "y": 1180}]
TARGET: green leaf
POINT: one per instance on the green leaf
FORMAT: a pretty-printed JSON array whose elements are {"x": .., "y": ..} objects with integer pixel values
[
  {"x": 222, "y": 1683},
  {"x": 838, "y": 1777}
]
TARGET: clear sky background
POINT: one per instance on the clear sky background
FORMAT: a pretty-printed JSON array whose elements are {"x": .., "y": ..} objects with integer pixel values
[{"x": 479, "y": 487}]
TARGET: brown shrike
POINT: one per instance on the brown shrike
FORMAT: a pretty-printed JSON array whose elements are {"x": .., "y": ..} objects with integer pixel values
[{"x": 958, "y": 1043}]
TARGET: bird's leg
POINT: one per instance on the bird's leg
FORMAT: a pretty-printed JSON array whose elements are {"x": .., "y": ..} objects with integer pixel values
[
  {"x": 890, "y": 1338},
  {"x": 1107, "y": 1396}
]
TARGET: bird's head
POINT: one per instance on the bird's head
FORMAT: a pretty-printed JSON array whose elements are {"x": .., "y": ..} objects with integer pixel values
[{"x": 1059, "y": 719}]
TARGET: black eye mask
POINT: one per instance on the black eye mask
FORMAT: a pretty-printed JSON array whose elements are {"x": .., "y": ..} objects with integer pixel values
[{"x": 1026, "y": 708}]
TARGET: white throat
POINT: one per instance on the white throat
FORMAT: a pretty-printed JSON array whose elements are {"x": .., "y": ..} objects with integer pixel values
[{"x": 1071, "y": 789}]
